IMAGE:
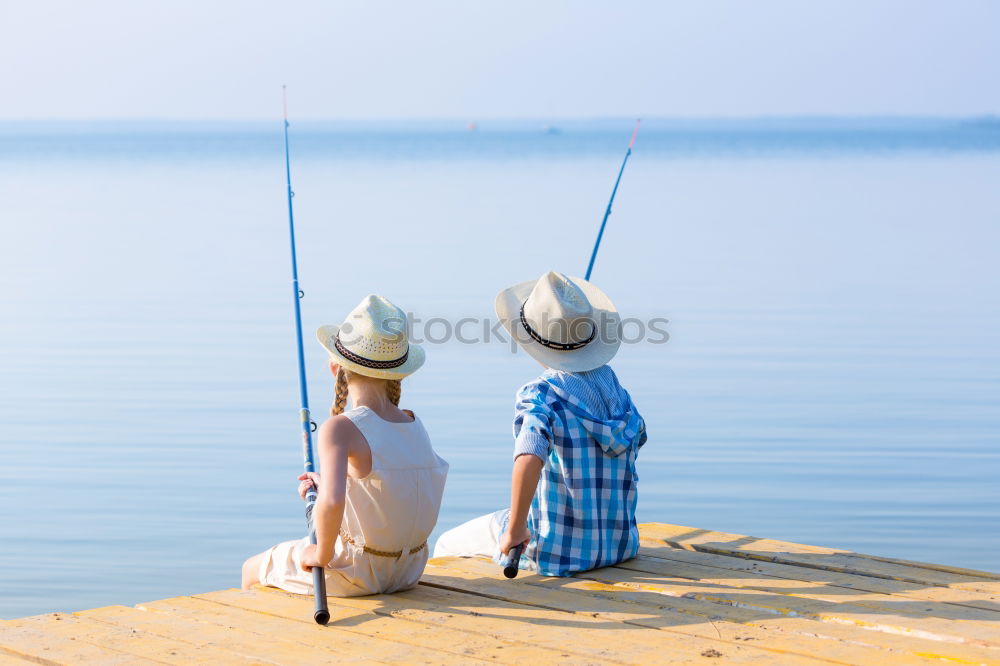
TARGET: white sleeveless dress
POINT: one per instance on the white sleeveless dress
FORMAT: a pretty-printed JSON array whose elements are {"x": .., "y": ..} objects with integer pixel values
[{"x": 388, "y": 516}]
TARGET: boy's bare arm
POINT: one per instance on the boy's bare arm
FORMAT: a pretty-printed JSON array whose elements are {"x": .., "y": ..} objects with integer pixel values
[{"x": 524, "y": 481}]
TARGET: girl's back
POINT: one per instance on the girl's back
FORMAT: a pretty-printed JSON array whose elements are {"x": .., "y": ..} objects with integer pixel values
[
  {"x": 394, "y": 508},
  {"x": 388, "y": 516}
]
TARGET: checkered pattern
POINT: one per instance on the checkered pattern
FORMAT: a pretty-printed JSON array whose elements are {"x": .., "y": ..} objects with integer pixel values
[{"x": 588, "y": 432}]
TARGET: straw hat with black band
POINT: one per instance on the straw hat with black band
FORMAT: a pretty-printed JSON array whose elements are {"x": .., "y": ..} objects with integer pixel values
[
  {"x": 372, "y": 341},
  {"x": 564, "y": 322}
]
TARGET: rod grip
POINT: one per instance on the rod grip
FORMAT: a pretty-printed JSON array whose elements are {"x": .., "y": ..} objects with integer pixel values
[
  {"x": 321, "y": 613},
  {"x": 511, "y": 560}
]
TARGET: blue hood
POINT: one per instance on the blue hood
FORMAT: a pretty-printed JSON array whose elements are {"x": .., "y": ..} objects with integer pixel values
[{"x": 601, "y": 405}]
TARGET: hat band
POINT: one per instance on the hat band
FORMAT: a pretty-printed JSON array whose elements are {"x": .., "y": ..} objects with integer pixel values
[
  {"x": 559, "y": 346},
  {"x": 367, "y": 362}
]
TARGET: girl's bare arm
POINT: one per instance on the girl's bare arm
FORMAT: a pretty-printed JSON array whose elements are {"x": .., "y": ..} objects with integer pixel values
[{"x": 339, "y": 440}]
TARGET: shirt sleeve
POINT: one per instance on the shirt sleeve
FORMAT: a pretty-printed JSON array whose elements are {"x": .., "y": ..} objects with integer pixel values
[
  {"x": 532, "y": 425},
  {"x": 641, "y": 436}
]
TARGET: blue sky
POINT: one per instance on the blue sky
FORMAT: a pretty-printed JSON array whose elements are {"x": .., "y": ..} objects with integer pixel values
[{"x": 413, "y": 59}]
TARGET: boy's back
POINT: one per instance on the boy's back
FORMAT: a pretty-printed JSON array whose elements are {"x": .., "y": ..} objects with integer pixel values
[{"x": 586, "y": 429}]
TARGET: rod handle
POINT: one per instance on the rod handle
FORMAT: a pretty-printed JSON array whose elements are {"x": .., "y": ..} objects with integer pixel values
[
  {"x": 510, "y": 561},
  {"x": 321, "y": 613}
]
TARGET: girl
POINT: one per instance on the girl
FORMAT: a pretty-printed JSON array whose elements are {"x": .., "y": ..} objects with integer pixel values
[{"x": 380, "y": 491}]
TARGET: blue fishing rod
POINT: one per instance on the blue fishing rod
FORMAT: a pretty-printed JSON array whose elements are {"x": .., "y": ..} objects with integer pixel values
[
  {"x": 322, "y": 613},
  {"x": 607, "y": 212}
]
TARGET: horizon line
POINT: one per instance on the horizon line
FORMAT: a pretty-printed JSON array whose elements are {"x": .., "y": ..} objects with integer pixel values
[{"x": 987, "y": 115}]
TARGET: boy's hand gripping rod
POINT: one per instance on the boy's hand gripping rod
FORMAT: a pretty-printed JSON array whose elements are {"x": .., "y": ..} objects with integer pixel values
[
  {"x": 322, "y": 613},
  {"x": 510, "y": 561}
]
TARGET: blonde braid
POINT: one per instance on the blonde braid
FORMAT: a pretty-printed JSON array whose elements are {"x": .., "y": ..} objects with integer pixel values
[
  {"x": 393, "y": 389},
  {"x": 340, "y": 397}
]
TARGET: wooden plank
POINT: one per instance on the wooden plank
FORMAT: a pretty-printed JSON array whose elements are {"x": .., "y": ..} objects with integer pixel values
[
  {"x": 738, "y": 545},
  {"x": 362, "y": 618},
  {"x": 888, "y": 620},
  {"x": 71, "y": 639},
  {"x": 577, "y": 638},
  {"x": 989, "y": 620},
  {"x": 9, "y": 659},
  {"x": 680, "y": 615},
  {"x": 347, "y": 624},
  {"x": 321, "y": 646},
  {"x": 947, "y": 595},
  {"x": 695, "y": 534}
]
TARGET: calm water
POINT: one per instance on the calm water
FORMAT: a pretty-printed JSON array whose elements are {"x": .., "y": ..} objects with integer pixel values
[{"x": 833, "y": 373}]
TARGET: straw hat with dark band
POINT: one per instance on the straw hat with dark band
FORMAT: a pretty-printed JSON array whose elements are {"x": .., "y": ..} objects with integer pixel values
[
  {"x": 372, "y": 341},
  {"x": 564, "y": 322}
]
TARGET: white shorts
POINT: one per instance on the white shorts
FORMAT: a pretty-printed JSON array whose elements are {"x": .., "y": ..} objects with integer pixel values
[
  {"x": 351, "y": 573},
  {"x": 478, "y": 537}
]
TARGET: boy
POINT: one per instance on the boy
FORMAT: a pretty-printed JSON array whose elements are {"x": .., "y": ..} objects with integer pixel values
[{"x": 577, "y": 434}]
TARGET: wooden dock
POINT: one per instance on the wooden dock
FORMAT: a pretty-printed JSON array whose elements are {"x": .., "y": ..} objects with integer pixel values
[{"x": 692, "y": 596}]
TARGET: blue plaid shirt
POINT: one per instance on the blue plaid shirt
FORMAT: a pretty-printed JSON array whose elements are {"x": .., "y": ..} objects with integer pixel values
[{"x": 585, "y": 428}]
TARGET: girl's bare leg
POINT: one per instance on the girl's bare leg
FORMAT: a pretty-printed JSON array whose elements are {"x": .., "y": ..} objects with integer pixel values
[{"x": 251, "y": 570}]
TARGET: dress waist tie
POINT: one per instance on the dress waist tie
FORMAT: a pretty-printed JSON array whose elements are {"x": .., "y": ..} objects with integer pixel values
[{"x": 394, "y": 554}]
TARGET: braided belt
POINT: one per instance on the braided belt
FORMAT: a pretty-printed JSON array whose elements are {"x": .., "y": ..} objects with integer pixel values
[{"x": 394, "y": 554}]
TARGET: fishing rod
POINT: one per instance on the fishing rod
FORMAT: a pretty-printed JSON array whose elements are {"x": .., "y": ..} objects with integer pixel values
[
  {"x": 607, "y": 212},
  {"x": 322, "y": 613}
]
